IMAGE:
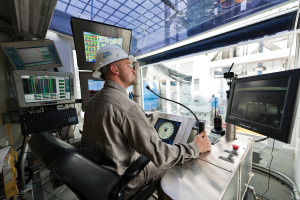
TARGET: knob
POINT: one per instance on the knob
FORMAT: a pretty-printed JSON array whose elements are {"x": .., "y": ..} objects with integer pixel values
[{"x": 201, "y": 126}]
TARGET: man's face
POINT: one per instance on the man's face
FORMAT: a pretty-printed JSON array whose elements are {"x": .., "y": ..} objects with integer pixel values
[{"x": 126, "y": 72}]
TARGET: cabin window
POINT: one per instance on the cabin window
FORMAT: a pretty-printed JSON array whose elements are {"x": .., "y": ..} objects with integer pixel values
[{"x": 197, "y": 80}]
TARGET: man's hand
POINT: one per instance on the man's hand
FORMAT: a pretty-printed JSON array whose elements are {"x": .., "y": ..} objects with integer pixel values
[{"x": 203, "y": 142}]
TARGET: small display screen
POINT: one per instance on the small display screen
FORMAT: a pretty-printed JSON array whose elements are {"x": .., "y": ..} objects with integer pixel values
[
  {"x": 93, "y": 42},
  {"x": 260, "y": 101},
  {"x": 94, "y": 86},
  {"x": 35, "y": 56},
  {"x": 167, "y": 129},
  {"x": 39, "y": 88}
]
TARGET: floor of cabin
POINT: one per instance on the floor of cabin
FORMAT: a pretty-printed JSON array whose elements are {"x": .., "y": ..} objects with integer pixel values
[{"x": 47, "y": 193}]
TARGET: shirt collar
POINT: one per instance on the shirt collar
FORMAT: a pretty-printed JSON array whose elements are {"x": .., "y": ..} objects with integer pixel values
[{"x": 115, "y": 85}]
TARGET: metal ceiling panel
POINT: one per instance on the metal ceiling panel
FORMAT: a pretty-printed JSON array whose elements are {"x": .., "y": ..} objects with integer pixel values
[{"x": 158, "y": 23}]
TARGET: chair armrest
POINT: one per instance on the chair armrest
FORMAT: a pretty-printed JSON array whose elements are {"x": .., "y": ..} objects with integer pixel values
[
  {"x": 135, "y": 168},
  {"x": 132, "y": 171}
]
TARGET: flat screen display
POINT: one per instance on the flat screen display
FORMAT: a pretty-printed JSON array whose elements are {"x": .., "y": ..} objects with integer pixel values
[
  {"x": 260, "y": 101},
  {"x": 94, "y": 86},
  {"x": 39, "y": 88},
  {"x": 266, "y": 104},
  {"x": 89, "y": 86},
  {"x": 167, "y": 129},
  {"x": 93, "y": 42},
  {"x": 35, "y": 56},
  {"x": 90, "y": 36}
]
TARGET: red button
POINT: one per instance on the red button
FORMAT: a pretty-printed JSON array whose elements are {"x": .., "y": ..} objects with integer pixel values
[{"x": 235, "y": 146}]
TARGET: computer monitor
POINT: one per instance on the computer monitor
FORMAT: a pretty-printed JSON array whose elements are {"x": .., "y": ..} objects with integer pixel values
[
  {"x": 167, "y": 129},
  {"x": 172, "y": 129},
  {"x": 41, "y": 88},
  {"x": 89, "y": 87},
  {"x": 32, "y": 55},
  {"x": 266, "y": 104},
  {"x": 90, "y": 36}
]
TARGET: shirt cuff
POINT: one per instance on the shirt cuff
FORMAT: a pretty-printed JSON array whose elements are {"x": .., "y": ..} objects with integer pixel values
[{"x": 196, "y": 148}]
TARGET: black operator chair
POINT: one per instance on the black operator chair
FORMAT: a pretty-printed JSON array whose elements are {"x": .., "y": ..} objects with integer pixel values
[{"x": 86, "y": 179}]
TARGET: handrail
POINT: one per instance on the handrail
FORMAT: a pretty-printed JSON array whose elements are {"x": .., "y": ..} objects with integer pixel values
[{"x": 289, "y": 182}]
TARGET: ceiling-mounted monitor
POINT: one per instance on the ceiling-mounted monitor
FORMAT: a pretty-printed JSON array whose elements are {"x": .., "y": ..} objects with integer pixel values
[
  {"x": 90, "y": 36},
  {"x": 42, "y": 88},
  {"x": 32, "y": 55},
  {"x": 266, "y": 104}
]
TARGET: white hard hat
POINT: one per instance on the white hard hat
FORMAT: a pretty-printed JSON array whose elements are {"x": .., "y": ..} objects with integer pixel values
[{"x": 106, "y": 55}]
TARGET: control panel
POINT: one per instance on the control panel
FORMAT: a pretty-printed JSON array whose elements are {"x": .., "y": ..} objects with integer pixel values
[{"x": 227, "y": 154}]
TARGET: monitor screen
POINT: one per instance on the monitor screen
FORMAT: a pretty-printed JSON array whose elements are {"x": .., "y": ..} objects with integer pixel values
[
  {"x": 167, "y": 129},
  {"x": 32, "y": 55},
  {"x": 94, "y": 87},
  {"x": 90, "y": 36},
  {"x": 265, "y": 104},
  {"x": 35, "y": 56},
  {"x": 43, "y": 88},
  {"x": 89, "y": 87},
  {"x": 93, "y": 42}
]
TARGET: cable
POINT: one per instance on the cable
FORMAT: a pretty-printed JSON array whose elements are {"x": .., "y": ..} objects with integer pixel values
[
  {"x": 174, "y": 106},
  {"x": 261, "y": 139},
  {"x": 198, "y": 123},
  {"x": 158, "y": 70},
  {"x": 23, "y": 189},
  {"x": 269, "y": 170},
  {"x": 19, "y": 148}
]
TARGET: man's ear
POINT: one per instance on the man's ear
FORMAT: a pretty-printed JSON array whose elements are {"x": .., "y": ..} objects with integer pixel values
[{"x": 114, "y": 69}]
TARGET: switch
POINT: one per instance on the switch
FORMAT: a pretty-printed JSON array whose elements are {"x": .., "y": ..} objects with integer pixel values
[{"x": 230, "y": 157}]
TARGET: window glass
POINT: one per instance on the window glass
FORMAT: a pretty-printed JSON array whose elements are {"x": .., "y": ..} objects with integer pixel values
[{"x": 197, "y": 81}]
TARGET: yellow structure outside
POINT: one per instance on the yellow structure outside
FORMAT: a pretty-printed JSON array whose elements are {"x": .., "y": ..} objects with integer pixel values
[
  {"x": 9, "y": 175},
  {"x": 239, "y": 129},
  {"x": 9, "y": 170}
]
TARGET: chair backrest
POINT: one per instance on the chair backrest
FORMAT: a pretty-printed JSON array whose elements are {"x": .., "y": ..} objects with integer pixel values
[{"x": 85, "y": 178}]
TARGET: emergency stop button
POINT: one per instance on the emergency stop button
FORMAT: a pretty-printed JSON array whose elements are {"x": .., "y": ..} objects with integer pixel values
[{"x": 235, "y": 147}]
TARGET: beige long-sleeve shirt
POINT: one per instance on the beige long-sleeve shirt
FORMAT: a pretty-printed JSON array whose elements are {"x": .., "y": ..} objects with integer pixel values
[{"x": 118, "y": 131}]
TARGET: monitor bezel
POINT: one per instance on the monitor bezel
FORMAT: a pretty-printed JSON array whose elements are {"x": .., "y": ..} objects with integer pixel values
[
  {"x": 284, "y": 132},
  {"x": 20, "y": 91},
  {"x": 32, "y": 44},
  {"x": 82, "y": 25}
]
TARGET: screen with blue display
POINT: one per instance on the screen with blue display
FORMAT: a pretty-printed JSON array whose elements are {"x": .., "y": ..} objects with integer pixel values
[
  {"x": 94, "y": 86},
  {"x": 167, "y": 129}
]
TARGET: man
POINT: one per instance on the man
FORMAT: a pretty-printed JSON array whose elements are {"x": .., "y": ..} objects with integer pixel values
[{"x": 118, "y": 130}]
